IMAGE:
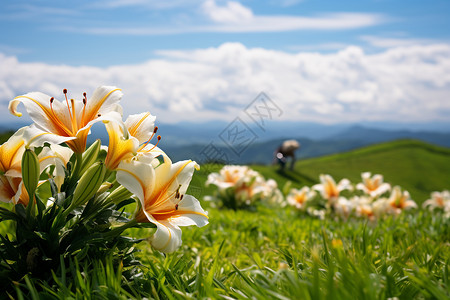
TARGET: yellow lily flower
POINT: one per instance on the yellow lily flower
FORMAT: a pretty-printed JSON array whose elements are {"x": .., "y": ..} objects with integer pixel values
[
  {"x": 161, "y": 190},
  {"x": 329, "y": 189},
  {"x": 399, "y": 201},
  {"x": 10, "y": 166},
  {"x": 58, "y": 156},
  {"x": 70, "y": 122},
  {"x": 438, "y": 200},
  {"x": 299, "y": 198},
  {"x": 11, "y": 152},
  {"x": 373, "y": 185},
  {"x": 134, "y": 139}
]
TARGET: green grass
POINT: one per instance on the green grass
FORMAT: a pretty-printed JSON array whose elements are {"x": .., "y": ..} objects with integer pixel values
[
  {"x": 418, "y": 167},
  {"x": 275, "y": 253}
]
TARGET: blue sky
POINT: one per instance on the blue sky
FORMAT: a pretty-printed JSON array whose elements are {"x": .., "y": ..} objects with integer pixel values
[
  {"x": 166, "y": 51},
  {"x": 103, "y": 33}
]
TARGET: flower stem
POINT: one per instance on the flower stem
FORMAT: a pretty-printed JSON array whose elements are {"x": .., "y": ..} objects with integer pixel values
[{"x": 76, "y": 170}]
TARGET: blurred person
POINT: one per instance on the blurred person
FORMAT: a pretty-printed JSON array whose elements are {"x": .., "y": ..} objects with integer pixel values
[{"x": 284, "y": 151}]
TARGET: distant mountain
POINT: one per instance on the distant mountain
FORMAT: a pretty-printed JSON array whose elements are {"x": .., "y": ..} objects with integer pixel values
[
  {"x": 261, "y": 151},
  {"x": 402, "y": 163},
  {"x": 371, "y": 135},
  {"x": 189, "y": 140}
]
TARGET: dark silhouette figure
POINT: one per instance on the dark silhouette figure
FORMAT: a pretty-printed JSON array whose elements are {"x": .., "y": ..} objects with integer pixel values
[{"x": 284, "y": 151}]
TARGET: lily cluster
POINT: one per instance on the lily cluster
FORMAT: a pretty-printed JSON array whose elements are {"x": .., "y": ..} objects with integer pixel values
[
  {"x": 372, "y": 198},
  {"x": 64, "y": 199},
  {"x": 242, "y": 187},
  {"x": 439, "y": 201}
]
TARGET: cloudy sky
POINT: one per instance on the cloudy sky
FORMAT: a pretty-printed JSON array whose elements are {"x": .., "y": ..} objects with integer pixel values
[{"x": 322, "y": 61}]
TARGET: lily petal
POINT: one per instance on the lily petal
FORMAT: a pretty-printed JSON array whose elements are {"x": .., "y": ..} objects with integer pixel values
[
  {"x": 58, "y": 156},
  {"x": 167, "y": 237},
  {"x": 141, "y": 126},
  {"x": 37, "y": 137},
  {"x": 137, "y": 177},
  {"x": 11, "y": 154},
  {"x": 191, "y": 213},
  {"x": 105, "y": 99},
  {"x": 8, "y": 187},
  {"x": 119, "y": 147},
  {"x": 54, "y": 118}
]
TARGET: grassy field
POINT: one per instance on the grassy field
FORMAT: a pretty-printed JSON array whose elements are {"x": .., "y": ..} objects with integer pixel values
[
  {"x": 417, "y": 167},
  {"x": 275, "y": 253}
]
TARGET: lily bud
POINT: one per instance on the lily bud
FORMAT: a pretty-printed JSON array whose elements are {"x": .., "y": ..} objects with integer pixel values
[
  {"x": 90, "y": 156},
  {"x": 120, "y": 194},
  {"x": 104, "y": 187},
  {"x": 30, "y": 172},
  {"x": 88, "y": 184}
]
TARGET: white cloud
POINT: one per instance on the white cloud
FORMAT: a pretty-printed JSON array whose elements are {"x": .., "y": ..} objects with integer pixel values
[
  {"x": 390, "y": 42},
  {"x": 232, "y": 16},
  {"x": 400, "y": 84},
  {"x": 233, "y": 12},
  {"x": 319, "y": 47},
  {"x": 231, "y": 23},
  {"x": 235, "y": 17}
]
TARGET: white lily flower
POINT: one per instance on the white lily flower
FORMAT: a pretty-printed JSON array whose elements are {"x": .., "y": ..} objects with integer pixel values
[
  {"x": 399, "y": 201},
  {"x": 329, "y": 189},
  {"x": 161, "y": 191},
  {"x": 363, "y": 207},
  {"x": 119, "y": 147},
  {"x": 343, "y": 207},
  {"x": 231, "y": 176},
  {"x": 11, "y": 153},
  {"x": 373, "y": 185},
  {"x": 300, "y": 197},
  {"x": 246, "y": 184},
  {"x": 57, "y": 122},
  {"x": 438, "y": 200},
  {"x": 58, "y": 156},
  {"x": 140, "y": 129},
  {"x": 141, "y": 126}
]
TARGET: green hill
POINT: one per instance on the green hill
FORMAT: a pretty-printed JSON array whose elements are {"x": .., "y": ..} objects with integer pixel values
[{"x": 417, "y": 167}]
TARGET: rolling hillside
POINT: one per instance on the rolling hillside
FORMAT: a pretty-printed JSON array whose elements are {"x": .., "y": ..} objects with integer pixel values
[{"x": 417, "y": 167}]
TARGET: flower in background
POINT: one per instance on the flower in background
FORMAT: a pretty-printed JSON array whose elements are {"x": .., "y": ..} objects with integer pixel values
[
  {"x": 343, "y": 208},
  {"x": 268, "y": 190},
  {"x": 399, "y": 201},
  {"x": 241, "y": 186},
  {"x": 317, "y": 213},
  {"x": 373, "y": 185},
  {"x": 439, "y": 200},
  {"x": 233, "y": 176},
  {"x": 70, "y": 122},
  {"x": 161, "y": 190},
  {"x": 363, "y": 207},
  {"x": 300, "y": 197},
  {"x": 329, "y": 190}
]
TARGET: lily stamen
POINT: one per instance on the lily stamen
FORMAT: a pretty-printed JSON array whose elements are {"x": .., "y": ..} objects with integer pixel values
[
  {"x": 74, "y": 117},
  {"x": 84, "y": 108},
  {"x": 71, "y": 113},
  {"x": 148, "y": 141},
  {"x": 149, "y": 150},
  {"x": 56, "y": 118}
]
